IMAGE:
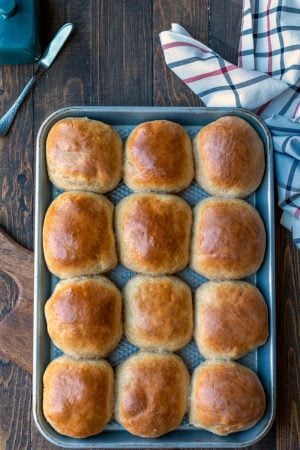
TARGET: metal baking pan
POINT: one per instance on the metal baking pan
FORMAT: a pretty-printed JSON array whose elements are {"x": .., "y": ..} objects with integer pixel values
[{"x": 262, "y": 361}]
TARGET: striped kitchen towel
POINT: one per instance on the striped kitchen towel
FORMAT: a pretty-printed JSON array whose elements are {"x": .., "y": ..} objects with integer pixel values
[{"x": 266, "y": 81}]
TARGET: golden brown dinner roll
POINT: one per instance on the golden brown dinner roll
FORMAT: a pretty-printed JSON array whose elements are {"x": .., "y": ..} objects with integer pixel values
[
  {"x": 229, "y": 158},
  {"x": 78, "y": 396},
  {"x": 226, "y": 397},
  {"x": 229, "y": 239},
  {"x": 158, "y": 312},
  {"x": 151, "y": 393},
  {"x": 78, "y": 236},
  {"x": 84, "y": 316},
  {"x": 158, "y": 157},
  {"x": 153, "y": 233},
  {"x": 231, "y": 319},
  {"x": 84, "y": 154}
]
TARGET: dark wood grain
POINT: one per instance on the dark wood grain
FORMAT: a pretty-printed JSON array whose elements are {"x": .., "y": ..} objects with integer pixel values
[
  {"x": 16, "y": 159},
  {"x": 224, "y": 27},
  {"x": 15, "y": 407},
  {"x": 288, "y": 341},
  {"x": 16, "y": 327},
  {"x": 193, "y": 14},
  {"x": 69, "y": 80},
  {"x": 122, "y": 52},
  {"x": 114, "y": 57},
  {"x": 16, "y": 216}
]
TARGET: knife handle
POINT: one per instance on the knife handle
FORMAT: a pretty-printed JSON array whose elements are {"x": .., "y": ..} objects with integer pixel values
[{"x": 8, "y": 118}]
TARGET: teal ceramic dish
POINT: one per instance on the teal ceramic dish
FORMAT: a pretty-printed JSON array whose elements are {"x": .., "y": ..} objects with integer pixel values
[{"x": 19, "y": 32}]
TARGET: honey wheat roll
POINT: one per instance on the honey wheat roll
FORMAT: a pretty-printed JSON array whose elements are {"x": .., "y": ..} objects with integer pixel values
[
  {"x": 229, "y": 239},
  {"x": 84, "y": 316},
  {"x": 158, "y": 312},
  {"x": 153, "y": 233},
  {"x": 229, "y": 157},
  {"x": 158, "y": 157},
  {"x": 226, "y": 397},
  {"x": 78, "y": 396},
  {"x": 78, "y": 237},
  {"x": 151, "y": 393},
  {"x": 84, "y": 154},
  {"x": 231, "y": 319}
]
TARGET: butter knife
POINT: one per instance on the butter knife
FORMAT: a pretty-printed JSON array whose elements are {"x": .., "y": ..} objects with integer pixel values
[{"x": 43, "y": 65}]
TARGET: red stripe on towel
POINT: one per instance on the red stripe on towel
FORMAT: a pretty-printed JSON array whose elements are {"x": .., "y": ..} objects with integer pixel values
[
  {"x": 183, "y": 44},
  {"x": 262, "y": 108},
  {"x": 210, "y": 74}
]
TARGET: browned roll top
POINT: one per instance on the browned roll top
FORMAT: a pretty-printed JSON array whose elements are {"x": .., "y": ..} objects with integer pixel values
[
  {"x": 84, "y": 316},
  {"x": 231, "y": 319},
  {"x": 78, "y": 396},
  {"x": 158, "y": 157},
  {"x": 84, "y": 154},
  {"x": 151, "y": 393},
  {"x": 229, "y": 158},
  {"x": 229, "y": 239},
  {"x": 226, "y": 397},
  {"x": 78, "y": 236},
  {"x": 153, "y": 233},
  {"x": 158, "y": 312}
]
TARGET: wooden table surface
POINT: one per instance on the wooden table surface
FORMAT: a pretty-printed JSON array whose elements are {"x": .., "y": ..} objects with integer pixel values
[{"x": 114, "y": 58}]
